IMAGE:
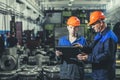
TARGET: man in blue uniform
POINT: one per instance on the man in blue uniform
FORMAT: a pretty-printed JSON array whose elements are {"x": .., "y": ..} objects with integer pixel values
[
  {"x": 71, "y": 69},
  {"x": 102, "y": 50}
]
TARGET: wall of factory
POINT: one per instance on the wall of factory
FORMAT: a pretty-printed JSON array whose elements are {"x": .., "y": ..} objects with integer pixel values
[
  {"x": 26, "y": 25},
  {"x": 4, "y": 23},
  {"x": 21, "y": 13}
]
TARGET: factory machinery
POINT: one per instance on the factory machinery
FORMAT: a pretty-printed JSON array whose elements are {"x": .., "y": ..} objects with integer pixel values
[
  {"x": 23, "y": 64},
  {"x": 17, "y": 64}
]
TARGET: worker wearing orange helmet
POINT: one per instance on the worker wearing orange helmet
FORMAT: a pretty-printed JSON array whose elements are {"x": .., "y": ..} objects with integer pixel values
[
  {"x": 71, "y": 68},
  {"x": 101, "y": 53}
]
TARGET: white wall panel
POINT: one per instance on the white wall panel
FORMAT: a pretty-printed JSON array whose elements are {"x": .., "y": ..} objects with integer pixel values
[
  {"x": 8, "y": 18},
  {"x": 31, "y": 25},
  {"x": 24, "y": 25},
  {"x": 1, "y": 22}
]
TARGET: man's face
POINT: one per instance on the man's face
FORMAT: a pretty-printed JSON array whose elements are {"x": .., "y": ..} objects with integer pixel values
[
  {"x": 97, "y": 26},
  {"x": 72, "y": 30}
]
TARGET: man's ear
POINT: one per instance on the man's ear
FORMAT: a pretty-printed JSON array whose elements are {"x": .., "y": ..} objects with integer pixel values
[{"x": 101, "y": 22}]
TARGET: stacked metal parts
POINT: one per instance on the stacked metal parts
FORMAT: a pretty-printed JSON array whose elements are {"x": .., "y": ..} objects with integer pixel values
[
  {"x": 8, "y": 64},
  {"x": 17, "y": 64}
]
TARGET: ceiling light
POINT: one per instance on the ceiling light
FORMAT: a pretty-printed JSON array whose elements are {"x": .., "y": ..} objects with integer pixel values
[
  {"x": 69, "y": 4},
  {"x": 71, "y": 0}
]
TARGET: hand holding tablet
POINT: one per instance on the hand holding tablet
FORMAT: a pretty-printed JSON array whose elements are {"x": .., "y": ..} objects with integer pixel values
[{"x": 69, "y": 52}]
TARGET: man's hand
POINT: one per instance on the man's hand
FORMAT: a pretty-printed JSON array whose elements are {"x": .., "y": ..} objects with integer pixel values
[
  {"x": 77, "y": 45},
  {"x": 58, "y": 53},
  {"x": 82, "y": 56}
]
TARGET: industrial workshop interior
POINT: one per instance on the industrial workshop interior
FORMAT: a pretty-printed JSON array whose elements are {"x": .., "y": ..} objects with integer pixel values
[{"x": 34, "y": 28}]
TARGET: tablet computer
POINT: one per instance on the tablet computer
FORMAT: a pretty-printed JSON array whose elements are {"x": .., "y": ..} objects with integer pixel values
[{"x": 69, "y": 52}]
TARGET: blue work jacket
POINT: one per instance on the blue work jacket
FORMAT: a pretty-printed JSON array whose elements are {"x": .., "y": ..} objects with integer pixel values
[
  {"x": 74, "y": 70},
  {"x": 102, "y": 55}
]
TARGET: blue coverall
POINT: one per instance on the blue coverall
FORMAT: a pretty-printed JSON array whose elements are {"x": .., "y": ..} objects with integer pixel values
[
  {"x": 74, "y": 70},
  {"x": 102, "y": 55}
]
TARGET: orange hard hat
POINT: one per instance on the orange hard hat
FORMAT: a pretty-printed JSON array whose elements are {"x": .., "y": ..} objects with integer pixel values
[
  {"x": 73, "y": 21},
  {"x": 95, "y": 16}
]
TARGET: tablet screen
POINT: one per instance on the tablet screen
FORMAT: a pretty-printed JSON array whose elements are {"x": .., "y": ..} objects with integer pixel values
[{"x": 69, "y": 52}]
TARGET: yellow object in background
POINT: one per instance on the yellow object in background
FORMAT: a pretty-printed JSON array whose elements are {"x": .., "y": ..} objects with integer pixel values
[
  {"x": 117, "y": 61},
  {"x": 118, "y": 46}
]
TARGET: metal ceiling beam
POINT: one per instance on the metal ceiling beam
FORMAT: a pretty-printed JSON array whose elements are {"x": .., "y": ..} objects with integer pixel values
[
  {"x": 75, "y": 2},
  {"x": 32, "y": 7},
  {"x": 82, "y": 4}
]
